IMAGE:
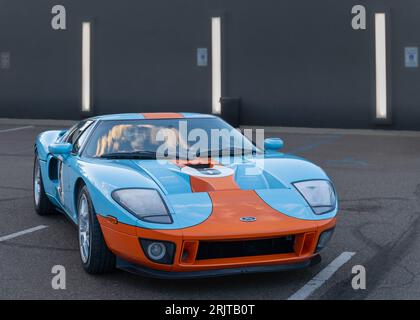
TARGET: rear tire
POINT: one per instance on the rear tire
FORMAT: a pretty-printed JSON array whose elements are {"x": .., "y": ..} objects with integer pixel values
[
  {"x": 42, "y": 204},
  {"x": 95, "y": 256}
]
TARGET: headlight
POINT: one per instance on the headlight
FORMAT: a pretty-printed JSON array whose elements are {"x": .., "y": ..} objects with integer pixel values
[
  {"x": 319, "y": 194},
  {"x": 145, "y": 204}
]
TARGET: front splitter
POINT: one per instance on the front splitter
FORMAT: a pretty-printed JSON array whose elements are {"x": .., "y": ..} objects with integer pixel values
[{"x": 159, "y": 274}]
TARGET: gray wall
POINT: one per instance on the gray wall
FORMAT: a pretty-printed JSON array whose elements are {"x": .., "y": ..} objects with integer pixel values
[{"x": 293, "y": 62}]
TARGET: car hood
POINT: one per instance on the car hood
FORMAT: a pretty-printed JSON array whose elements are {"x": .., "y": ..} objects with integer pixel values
[
  {"x": 202, "y": 175},
  {"x": 191, "y": 186}
]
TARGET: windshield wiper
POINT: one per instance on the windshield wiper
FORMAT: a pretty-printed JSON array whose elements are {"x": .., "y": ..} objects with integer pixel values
[
  {"x": 227, "y": 152},
  {"x": 130, "y": 155}
]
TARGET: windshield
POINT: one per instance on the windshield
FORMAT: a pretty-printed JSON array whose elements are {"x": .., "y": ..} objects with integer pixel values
[{"x": 183, "y": 138}]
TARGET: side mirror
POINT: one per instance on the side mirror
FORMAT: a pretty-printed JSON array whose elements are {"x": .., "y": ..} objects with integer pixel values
[
  {"x": 60, "y": 148},
  {"x": 61, "y": 133},
  {"x": 273, "y": 144}
]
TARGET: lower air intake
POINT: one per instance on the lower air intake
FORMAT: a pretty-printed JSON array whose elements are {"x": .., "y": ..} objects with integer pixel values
[{"x": 244, "y": 248}]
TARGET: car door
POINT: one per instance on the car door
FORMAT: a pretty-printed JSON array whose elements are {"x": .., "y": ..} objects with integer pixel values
[
  {"x": 68, "y": 166},
  {"x": 53, "y": 185}
]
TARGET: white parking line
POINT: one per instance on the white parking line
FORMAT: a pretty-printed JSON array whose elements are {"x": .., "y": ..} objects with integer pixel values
[
  {"x": 21, "y": 233},
  {"x": 16, "y": 129},
  {"x": 321, "y": 277}
]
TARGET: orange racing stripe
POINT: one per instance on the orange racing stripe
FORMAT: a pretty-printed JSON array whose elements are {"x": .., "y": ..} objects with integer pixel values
[
  {"x": 162, "y": 115},
  {"x": 204, "y": 184}
]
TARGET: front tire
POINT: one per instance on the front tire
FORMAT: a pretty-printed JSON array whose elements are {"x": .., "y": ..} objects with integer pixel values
[
  {"x": 95, "y": 256},
  {"x": 42, "y": 204}
]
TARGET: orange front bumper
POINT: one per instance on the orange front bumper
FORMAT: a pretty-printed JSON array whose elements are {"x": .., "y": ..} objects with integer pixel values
[
  {"x": 224, "y": 224},
  {"x": 123, "y": 240}
]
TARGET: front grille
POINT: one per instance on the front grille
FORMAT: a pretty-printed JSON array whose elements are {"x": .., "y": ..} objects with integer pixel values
[{"x": 244, "y": 248}]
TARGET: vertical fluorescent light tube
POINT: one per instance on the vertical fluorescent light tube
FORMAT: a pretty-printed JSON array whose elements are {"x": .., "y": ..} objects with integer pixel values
[
  {"x": 216, "y": 62},
  {"x": 380, "y": 56},
  {"x": 86, "y": 33}
]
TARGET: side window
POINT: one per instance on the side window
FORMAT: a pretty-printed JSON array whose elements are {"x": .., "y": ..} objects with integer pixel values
[
  {"x": 74, "y": 132},
  {"x": 82, "y": 138},
  {"x": 77, "y": 132},
  {"x": 65, "y": 137}
]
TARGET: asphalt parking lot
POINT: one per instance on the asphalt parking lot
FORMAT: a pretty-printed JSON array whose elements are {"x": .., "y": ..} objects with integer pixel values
[{"x": 377, "y": 176}]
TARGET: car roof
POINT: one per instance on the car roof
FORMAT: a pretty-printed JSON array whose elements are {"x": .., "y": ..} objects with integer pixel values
[{"x": 152, "y": 115}]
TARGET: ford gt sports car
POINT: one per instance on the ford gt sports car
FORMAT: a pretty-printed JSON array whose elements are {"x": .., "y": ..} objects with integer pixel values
[{"x": 194, "y": 212}]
